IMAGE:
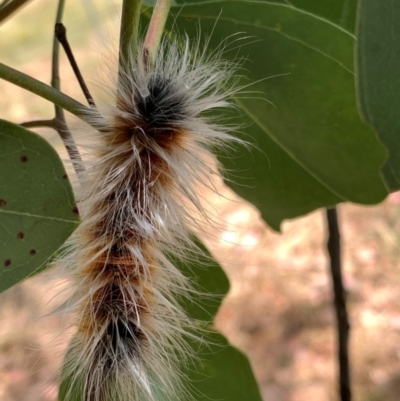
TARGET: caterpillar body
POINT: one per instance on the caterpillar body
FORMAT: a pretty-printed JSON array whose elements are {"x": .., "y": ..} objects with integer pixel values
[{"x": 136, "y": 207}]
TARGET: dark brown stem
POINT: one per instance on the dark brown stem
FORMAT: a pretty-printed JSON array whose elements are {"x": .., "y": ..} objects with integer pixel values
[
  {"x": 39, "y": 123},
  {"x": 343, "y": 326},
  {"x": 8, "y": 8},
  {"x": 61, "y": 34},
  {"x": 59, "y": 121}
]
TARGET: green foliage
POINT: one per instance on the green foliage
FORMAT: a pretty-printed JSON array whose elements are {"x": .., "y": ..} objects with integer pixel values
[
  {"x": 311, "y": 147},
  {"x": 71, "y": 389},
  {"x": 36, "y": 203},
  {"x": 340, "y": 12},
  {"x": 379, "y": 77},
  {"x": 221, "y": 372}
]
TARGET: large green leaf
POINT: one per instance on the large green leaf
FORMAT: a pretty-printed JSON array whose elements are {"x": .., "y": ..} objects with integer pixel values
[
  {"x": 340, "y": 12},
  {"x": 37, "y": 210},
  {"x": 313, "y": 149},
  {"x": 221, "y": 372},
  {"x": 379, "y": 77}
]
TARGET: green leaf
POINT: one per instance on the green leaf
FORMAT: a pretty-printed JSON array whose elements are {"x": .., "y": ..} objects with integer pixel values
[
  {"x": 36, "y": 203},
  {"x": 340, "y": 12},
  {"x": 312, "y": 149},
  {"x": 220, "y": 372},
  {"x": 379, "y": 77},
  {"x": 71, "y": 390}
]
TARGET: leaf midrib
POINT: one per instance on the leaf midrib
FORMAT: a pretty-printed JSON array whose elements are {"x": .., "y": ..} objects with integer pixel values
[
  {"x": 37, "y": 216},
  {"x": 246, "y": 110},
  {"x": 300, "y": 10}
]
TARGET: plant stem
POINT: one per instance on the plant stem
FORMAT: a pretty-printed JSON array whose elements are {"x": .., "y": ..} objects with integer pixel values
[
  {"x": 156, "y": 29},
  {"x": 129, "y": 29},
  {"x": 55, "y": 56},
  {"x": 47, "y": 92},
  {"x": 61, "y": 34},
  {"x": 343, "y": 325},
  {"x": 39, "y": 123},
  {"x": 10, "y": 8},
  {"x": 60, "y": 123}
]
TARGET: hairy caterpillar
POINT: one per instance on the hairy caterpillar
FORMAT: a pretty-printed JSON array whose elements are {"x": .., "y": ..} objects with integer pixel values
[{"x": 136, "y": 206}]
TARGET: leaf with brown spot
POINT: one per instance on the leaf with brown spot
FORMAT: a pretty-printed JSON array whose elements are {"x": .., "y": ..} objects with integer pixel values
[{"x": 36, "y": 203}]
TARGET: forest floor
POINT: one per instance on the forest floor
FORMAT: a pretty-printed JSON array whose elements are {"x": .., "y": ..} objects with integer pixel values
[{"x": 279, "y": 309}]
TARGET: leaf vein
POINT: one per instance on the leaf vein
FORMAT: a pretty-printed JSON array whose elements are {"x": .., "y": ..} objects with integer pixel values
[
  {"x": 284, "y": 35},
  {"x": 39, "y": 216},
  {"x": 287, "y": 151}
]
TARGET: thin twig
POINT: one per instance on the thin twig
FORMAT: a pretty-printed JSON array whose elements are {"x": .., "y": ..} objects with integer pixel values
[
  {"x": 343, "y": 326},
  {"x": 61, "y": 34},
  {"x": 60, "y": 122},
  {"x": 47, "y": 92},
  {"x": 10, "y": 7},
  {"x": 39, "y": 123}
]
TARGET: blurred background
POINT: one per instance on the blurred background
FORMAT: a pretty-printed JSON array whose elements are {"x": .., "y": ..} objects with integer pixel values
[{"x": 279, "y": 308}]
